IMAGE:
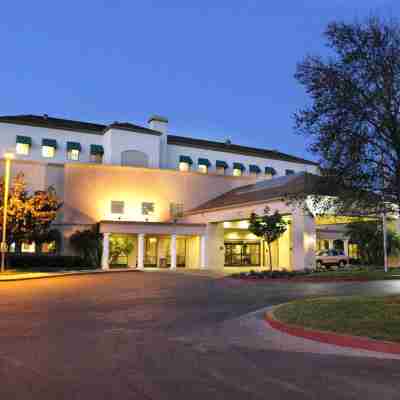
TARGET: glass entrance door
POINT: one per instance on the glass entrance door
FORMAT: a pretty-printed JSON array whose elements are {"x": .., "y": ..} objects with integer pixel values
[
  {"x": 150, "y": 253},
  {"x": 242, "y": 253}
]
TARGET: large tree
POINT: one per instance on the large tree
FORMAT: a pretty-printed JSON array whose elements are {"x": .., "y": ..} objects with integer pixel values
[
  {"x": 29, "y": 215},
  {"x": 353, "y": 120}
]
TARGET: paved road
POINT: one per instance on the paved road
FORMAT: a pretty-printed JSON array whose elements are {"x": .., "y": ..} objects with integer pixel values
[{"x": 140, "y": 336}]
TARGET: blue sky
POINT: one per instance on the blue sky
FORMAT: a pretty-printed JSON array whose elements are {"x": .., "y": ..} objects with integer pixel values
[{"x": 216, "y": 69}]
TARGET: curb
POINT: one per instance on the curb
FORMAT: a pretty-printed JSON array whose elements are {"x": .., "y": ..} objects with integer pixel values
[
  {"x": 307, "y": 280},
  {"x": 63, "y": 274},
  {"x": 354, "y": 342}
]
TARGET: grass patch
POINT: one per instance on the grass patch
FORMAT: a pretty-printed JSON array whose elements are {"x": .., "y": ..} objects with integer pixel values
[
  {"x": 373, "y": 317},
  {"x": 360, "y": 272}
]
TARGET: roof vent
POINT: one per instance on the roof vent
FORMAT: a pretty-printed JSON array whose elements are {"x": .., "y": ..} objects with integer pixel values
[
  {"x": 45, "y": 116},
  {"x": 228, "y": 141}
]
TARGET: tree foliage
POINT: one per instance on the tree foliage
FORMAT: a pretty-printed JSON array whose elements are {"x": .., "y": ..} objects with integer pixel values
[
  {"x": 353, "y": 121},
  {"x": 368, "y": 236},
  {"x": 270, "y": 226},
  {"x": 88, "y": 244},
  {"x": 120, "y": 245},
  {"x": 29, "y": 215}
]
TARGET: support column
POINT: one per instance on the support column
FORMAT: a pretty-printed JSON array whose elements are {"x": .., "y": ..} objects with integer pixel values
[
  {"x": 346, "y": 246},
  {"x": 203, "y": 253},
  {"x": 303, "y": 240},
  {"x": 214, "y": 246},
  {"x": 173, "y": 251},
  {"x": 330, "y": 241},
  {"x": 106, "y": 251},
  {"x": 140, "y": 261}
]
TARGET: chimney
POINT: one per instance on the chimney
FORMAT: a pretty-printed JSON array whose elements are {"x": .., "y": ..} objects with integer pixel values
[{"x": 158, "y": 123}]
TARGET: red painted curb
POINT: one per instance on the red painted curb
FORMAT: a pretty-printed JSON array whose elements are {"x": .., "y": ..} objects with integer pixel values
[{"x": 355, "y": 342}]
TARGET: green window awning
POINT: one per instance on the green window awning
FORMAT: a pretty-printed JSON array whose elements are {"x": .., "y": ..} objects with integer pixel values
[
  {"x": 254, "y": 169},
  {"x": 24, "y": 140},
  {"x": 270, "y": 171},
  {"x": 186, "y": 159},
  {"x": 221, "y": 164},
  {"x": 96, "y": 149},
  {"x": 289, "y": 172},
  {"x": 203, "y": 161},
  {"x": 73, "y": 146},
  {"x": 49, "y": 143},
  {"x": 238, "y": 165}
]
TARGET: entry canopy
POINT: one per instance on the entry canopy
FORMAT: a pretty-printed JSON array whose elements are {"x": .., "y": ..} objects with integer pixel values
[
  {"x": 255, "y": 169},
  {"x": 238, "y": 165},
  {"x": 270, "y": 171},
  {"x": 221, "y": 164},
  {"x": 49, "y": 143},
  {"x": 24, "y": 140},
  {"x": 96, "y": 149},
  {"x": 186, "y": 159},
  {"x": 73, "y": 146},
  {"x": 204, "y": 161}
]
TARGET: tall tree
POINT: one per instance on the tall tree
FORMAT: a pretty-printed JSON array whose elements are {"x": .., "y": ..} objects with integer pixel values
[
  {"x": 29, "y": 215},
  {"x": 270, "y": 226},
  {"x": 353, "y": 121}
]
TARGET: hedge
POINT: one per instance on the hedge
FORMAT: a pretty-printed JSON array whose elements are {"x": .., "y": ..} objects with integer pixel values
[{"x": 43, "y": 262}]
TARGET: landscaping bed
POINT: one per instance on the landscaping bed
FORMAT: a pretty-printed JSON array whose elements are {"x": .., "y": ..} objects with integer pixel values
[
  {"x": 372, "y": 317},
  {"x": 343, "y": 275}
]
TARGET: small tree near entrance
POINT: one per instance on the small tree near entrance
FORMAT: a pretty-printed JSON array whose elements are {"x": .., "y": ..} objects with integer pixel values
[{"x": 270, "y": 226}]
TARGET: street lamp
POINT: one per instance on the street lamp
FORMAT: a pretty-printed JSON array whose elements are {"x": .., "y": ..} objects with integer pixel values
[{"x": 3, "y": 246}]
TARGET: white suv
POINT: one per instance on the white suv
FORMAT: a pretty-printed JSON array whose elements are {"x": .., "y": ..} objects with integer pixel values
[{"x": 331, "y": 257}]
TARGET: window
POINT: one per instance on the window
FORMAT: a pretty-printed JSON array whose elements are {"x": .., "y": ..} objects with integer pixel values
[
  {"x": 73, "y": 151},
  {"x": 238, "y": 169},
  {"x": 203, "y": 169},
  {"x": 176, "y": 210},
  {"x": 23, "y": 145},
  {"x": 48, "y": 151},
  {"x": 237, "y": 172},
  {"x": 147, "y": 208},
  {"x": 254, "y": 170},
  {"x": 289, "y": 172},
  {"x": 22, "y": 149},
  {"x": 117, "y": 207},
  {"x": 270, "y": 172},
  {"x": 221, "y": 167},
  {"x": 73, "y": 155},
  {"x": 96, "y": 153},
  {"x": 184, "y": 166}
]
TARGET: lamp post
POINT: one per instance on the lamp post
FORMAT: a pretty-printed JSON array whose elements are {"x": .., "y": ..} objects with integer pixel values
[{"x": 3, "y": 247}]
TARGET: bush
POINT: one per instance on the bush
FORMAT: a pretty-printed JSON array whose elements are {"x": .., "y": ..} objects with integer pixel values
[
  {"x": 88, "y": 244},
  {"x": 45, "y": 262}
]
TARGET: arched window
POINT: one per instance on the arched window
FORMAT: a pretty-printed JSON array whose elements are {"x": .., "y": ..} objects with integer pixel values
[{"x": 134, "y": 158}]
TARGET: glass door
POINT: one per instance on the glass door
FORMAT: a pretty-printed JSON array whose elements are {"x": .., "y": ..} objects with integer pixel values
[
  {"x": 150, "y": 253},
  {"x": 241, "y": 254}
]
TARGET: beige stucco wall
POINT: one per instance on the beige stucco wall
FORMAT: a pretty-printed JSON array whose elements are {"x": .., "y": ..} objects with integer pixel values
[{"x": 89, "y": 190}]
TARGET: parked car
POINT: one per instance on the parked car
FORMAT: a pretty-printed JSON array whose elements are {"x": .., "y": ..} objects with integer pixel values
[{"x": 332, "y": 257}]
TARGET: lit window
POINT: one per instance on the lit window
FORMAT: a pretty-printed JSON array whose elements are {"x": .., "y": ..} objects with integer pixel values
[
  {"x": 28, "y": 247},
  {"x": 176, "y": 210},
  {"x": 73, "y": 155},
  {"x": 117, "y": 207},
  {"x": 22, "y": 149},
  {"x": 184, "y": 166},
  {"x": 147, "y": 208},
  {"x": 48, "y": 151},
  {"x": 220, "y": 170},
  {"x": 237, "y": 172},
  {"x": 203, "y": 169},
  {"x": 96, "y": 153}
]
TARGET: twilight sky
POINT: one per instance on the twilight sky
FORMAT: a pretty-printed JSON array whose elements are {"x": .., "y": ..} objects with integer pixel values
[{"x": 215, "y": 68}]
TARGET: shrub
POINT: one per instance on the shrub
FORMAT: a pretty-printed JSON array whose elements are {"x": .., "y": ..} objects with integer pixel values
[
  {"x": 88, "y": 244},
  {"x": 45, "y": 262}
]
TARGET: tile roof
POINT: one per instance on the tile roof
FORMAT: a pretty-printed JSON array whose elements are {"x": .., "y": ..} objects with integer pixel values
[
  {"x": 268, "y": 189},
  {"x": 236, "y": 149}
]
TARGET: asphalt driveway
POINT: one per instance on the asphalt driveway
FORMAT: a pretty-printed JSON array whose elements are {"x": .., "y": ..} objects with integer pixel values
[{"x": 144, "y": 336}]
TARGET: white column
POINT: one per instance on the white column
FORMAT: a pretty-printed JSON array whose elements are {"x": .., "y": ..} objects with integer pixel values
[
  {"x": 106, "y": 251},
  {"x": 173, "y": 251},
  {"x": 140, "y": 251},
  {"x": 203, "y": 254},
  {"x": 346, "y": 246},
  {"x": 330, "y": 241},
  {"x": 304, "y": 240},
  {"x": 215, "y": 250}
]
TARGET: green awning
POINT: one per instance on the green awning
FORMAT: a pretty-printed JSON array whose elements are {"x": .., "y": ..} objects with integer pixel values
[
  {"x": 49, "y": 143},
  {"x": 254, "y": 169},
  {"x": 186, "y": 159},
  {"x": 289, "y": 172},
  {"x": 96, "y": 149},
  {"x": 221, "y": 164},
  {"x": 73, "y": 146},
  {"x": 238, "y": 165},
  {"x": 270, "y": 171},
  {"x": 203, "y": 161},
  {"x": 24, "y": 140}
]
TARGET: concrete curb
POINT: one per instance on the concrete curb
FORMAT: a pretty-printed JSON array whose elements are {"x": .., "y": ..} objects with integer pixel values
[
  {"x": 354, "y": 342},
  {"x": 43, "y": 275}
]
